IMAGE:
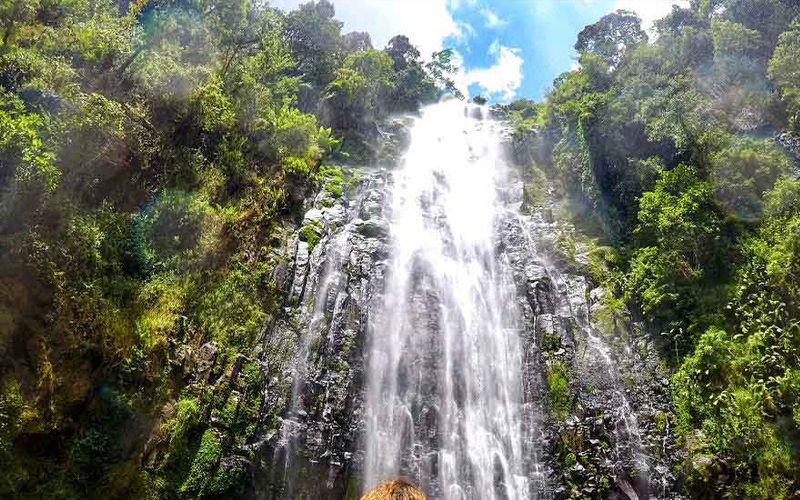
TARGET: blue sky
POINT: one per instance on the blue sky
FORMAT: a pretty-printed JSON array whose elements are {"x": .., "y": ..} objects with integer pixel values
[
  {"x": 506, "y": 48},
  {"x": 540, "y": 33}
]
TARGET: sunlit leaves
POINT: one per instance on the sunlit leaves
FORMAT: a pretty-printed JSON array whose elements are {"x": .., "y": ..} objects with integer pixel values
[
  {"x": 441, "y": 68},
  {"x": 216, "y": 109},
  {"x": 744, "y": 171},
  {"x": 680, "y": 213},
  {"x": 29, "y": 169},
  {"x": 611, "y": 36}
]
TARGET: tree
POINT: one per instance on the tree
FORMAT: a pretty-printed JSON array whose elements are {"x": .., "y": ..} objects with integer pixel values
[
  {"x": 413, "y": 85},
  {"x": 678, "y": 20},
  {"x": 611, "y": 36},
  {"x": 744, "y": 171},
  {"x": 358, "y": 93},
  {"x": 678, "y": 246},
  {"x": 778, "y": 247},
  {"x": 769, "y": 17},
  {"x": 681, "y": 215},
  {"x": 314, "y": 37},
  {"x": 401, "y": 51},
  {"x": 240, "y": 27},
  {"x": 735, "y": 53},
  {"x": 733, "y": 39},
  {"x": 14, "y": 13},
  {"x": 440, "y": 67},
  {"x": 784, "y": 70},
  {"x": 356, "y": 41}
]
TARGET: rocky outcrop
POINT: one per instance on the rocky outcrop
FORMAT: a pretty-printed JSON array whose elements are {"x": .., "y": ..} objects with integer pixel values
[
  {"x": 596, "y": 412},
  {"x": 790, "y": 142},
  {"x": 306, "y": 443},
  {"x": 608, "y": 411}
]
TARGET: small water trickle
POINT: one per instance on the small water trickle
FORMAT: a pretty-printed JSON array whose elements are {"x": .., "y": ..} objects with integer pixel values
[
  {"x": 312, "y": 317},
  {"x": 626, "y": 424}
]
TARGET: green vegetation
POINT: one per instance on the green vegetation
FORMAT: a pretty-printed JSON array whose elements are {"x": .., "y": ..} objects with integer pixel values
[
  {"x": 663, "y": 145},
  {"x": 332, "y": 179},
  {"x": 561, "y": 396},
  {"x": 151, "y": 153},
  {"x": 311, "y": 233}
]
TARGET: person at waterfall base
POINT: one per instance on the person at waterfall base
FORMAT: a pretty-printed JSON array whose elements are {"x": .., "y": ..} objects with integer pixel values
[{"x": 395, "y": 490}]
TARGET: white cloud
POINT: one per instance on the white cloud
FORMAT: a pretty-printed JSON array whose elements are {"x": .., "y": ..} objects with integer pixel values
[
  {"x": 649, "y": 10},
  {"x": 491, "y": 19},
  {"x": 426, "y": 23},
  {"x": 502, "y": 78},
  {"x": 460, "y": 77},
  {"x": 458, "y": 4},
  {"x": 464, "y": 31}
]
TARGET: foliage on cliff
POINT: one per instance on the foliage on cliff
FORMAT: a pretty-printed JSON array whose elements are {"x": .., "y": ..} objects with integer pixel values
[
  {"x": 150, "y": 152},
  {"x": 667, "y": 145}
]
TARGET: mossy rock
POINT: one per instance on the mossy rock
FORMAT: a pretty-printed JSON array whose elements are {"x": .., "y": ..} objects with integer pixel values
[
  {"x": 561, "y": 397},
  {"x": 229, "y": 478},
  {"x": 311, "y": 233},
  {"x": 551, "y": 342},
  {"x": 534, "y": 187}
]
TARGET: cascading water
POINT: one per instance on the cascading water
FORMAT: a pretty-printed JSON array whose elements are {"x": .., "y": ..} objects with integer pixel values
[
  {"x": 444, "y": 390},
  {"x": 422, "y": 331}
]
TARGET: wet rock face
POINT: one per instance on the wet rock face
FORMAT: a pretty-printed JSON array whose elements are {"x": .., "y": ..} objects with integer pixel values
[
  {"x": 596, "y": 408},
  {"x": 790, "y": 142},
  {"x": 312, "y": 355},
  {"x": 607, "y": 406}
]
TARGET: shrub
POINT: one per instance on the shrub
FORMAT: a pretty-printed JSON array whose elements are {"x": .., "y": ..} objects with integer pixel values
[
  {"x": 743, "y": 172},
  {"x": 561, "y": 397},
  {"x": 167, "y": 232},
  {"x": 216, "y": 110},
  {"x": 204, "y": 463},
  {"x": 332, "y": 179}
]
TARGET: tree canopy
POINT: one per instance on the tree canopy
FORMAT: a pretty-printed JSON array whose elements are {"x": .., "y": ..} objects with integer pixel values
[
  {"x": 151, "y": 154},
  {"x": 667, "y": 145}
]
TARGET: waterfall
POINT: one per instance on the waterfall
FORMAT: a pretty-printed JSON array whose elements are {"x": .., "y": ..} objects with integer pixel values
[
  {"x": 412, "y": 343},
  {"x": 443, "y": 378}
]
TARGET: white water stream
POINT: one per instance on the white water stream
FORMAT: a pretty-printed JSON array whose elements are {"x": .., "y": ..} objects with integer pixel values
[{"x": 444, "y": 395}]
